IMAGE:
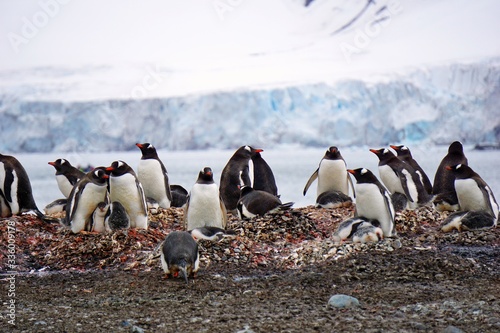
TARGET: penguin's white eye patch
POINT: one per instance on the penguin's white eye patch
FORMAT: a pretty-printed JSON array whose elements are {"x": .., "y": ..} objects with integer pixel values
[
  {"x": 151, "y": 147},
  {"x": 363, "y": 171},
  {"x": 248, "y": 148},
  {"x": 386, "y": 151},
  {"x": 63, "y": 161},
  {"x": 458, "y": 166},
  {"x": 404, "y": 148},
  {"x": 97, "y": 173},
  {"x": 119, "y": 164}
]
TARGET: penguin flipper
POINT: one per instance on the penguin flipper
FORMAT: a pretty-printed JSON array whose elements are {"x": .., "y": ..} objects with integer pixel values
[
  {"x": 404, "y": 184},
  {"x": 311, "y": 180},
  {"x": 489, "y": 198},
  {"x": 186, "y": 209},
  {"x": 165, "y": 179},
  {"x": 388, "y": 203},
  {"x": 224, "y": 212},
  {"x": 352, "y": 186},
  {"x": 142, "y": 195}
]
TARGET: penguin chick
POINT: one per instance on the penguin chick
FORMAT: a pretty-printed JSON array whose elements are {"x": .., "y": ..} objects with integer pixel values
[
  {"x": 153, "y": 175},
  {"x": 253, "y": 202},
  {"x": 116, "y": 217},
  {"x": 180, "y": 254},
  {"x": 66, "y": 175},
  {"x": 404, "y": 154},
  {"x": 333, "y": 199},
  {"x": 98, "y": 217},
  {"x": 470, "y": 220},
  {"x": 399, "y": 201},
  {"x": 347, "y": 228},
  {"x": 211, "y": 233},
  {"x": 179, "y": 196},
  {"x": 366, "y": 233}
]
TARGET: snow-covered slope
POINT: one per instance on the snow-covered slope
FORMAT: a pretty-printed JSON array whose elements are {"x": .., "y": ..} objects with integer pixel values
[{"x": 437, "y": 106}]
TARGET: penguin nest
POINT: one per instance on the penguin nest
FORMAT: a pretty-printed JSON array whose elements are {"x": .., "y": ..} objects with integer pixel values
[{"x": 288, "y": 239}]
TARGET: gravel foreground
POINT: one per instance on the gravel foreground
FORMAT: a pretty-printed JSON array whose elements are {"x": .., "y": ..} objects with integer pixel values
[{"x": 277, "y": 275}]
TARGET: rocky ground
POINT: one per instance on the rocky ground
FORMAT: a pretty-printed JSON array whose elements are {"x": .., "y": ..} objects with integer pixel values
[{"x": 277, "y": 275}]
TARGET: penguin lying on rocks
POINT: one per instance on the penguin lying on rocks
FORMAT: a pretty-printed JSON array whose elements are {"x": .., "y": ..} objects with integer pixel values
[
  {"x": 180, "y": 254},
  {"x": 254, "y": 202},
  {"x": 211, "y": 233}
]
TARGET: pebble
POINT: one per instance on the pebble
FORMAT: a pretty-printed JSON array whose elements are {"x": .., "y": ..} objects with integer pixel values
[
  {"x": 343, "y": 301},
  {"x": 452, "y": 329},
  {"x": 136, "y": 329}
]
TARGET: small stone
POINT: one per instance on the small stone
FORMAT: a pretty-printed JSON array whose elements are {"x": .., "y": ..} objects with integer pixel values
[
  {"x": 343, "y": 301},
  {"x": 136, "y": 329},
  {"x": 452, "y": 329}
]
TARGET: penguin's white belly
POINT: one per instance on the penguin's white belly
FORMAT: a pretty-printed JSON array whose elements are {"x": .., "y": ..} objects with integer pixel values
[
  {"x": 470, "y": 196},
  {"x": 90, "y": 197},
  {"x": 390, "y": 179},
  {"x": 332, "y": 176},
  {"x": 64, "y": 185},
  {"x": 164, "y": 264},
  {"x": 370, "y": 203},
  {"x": 5, "y": 211},
  {"x": 125, "y": 190},
  {"x": 151, "y": 177},
  {"x": 204, "y": 207}
]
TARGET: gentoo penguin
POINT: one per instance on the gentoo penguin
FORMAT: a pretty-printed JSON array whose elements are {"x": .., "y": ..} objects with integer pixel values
[
  {"x": 98, "y": 217},
  {"x": 66, "y": 175},
  {"x": 347, "y": 228},
  {"x": 16, "y": 195},
  {"x": 472, "y": 191},
  {"x": 254, "y": 202},
  {"x": 404, "y": 154},
  {"x": 116, "y": 217},
  {"x": 180, "y": 254},
  {"x": 179, "y": 195},
  {"x": 211, "y": 233},
  {"x": 153, "y": 175},
  {"x": 444, "y": 180},
  {"x": 125, "y": 188},
  {"x": 470, "y": 220},
  {"x": 235, "y": 174},
  {"x": 84, "y": 199},
  {"x": 331, "y": 174},
  {"x": 400, "y": 177},
  {"x": 204, "y": 206},
  {"x": 367, "y": 232},
  {"x": 263, "y": 177},
  {"x": 399, "y": 201},
  {"x": 373, "y": 201}
]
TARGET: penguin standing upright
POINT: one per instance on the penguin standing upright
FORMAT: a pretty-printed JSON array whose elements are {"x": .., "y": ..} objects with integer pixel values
[
  {"x": 84, "y": 199},
  {"x": 180, "y": 254},
  {"x": 472, "y": 191},
  {"x": 331, "y": 174},
  {"x": 373, "y": 201},
  {"x": 153, "y": 176},
  {"x": 235, "y": 174},
  {"x": 254, "y": 202},
  {"x": 16, "y": 195},
  {"x": 400, "y": 177},
  {"x": 444, "y": 180},
  {"x": 66, "y": 175},
  {"x": 204, "y": 206},
  {"x": 125, "y": 188},
  {"x": 404, "y": 154},
  {"x": 263, "y": 175}
]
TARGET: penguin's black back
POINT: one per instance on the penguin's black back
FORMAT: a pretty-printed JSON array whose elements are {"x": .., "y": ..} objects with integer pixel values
[
  {"x": 444, "y": 180},
  {"x": 180, "y": 246},
  {"x": 24, "y": 191},
  {"x": 263, "y": 175}
]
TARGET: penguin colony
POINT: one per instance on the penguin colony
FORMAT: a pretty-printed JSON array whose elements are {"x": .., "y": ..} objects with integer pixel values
[{"x": 115, "y": 197}]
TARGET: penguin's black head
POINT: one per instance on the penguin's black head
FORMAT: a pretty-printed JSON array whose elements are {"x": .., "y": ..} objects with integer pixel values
[
  {"x": 99, "y": 175},
  {"x": 247, "y": 151},
  {"x": 363, "y": 175},
  {"x": 147, "y": 150},
  {"x": 244, "y": 190},
  {"x": 461, "y": 171},
  {"x": 206, "y": 174},
  {"x": 401, "y": 150},
  {"x": 456, "y": 148},
  {"x": 383, "y": 153},
  {"x": 60, "y": 164},
  {"x": 118, "y": 168},
  {"x": 333, "y": 153}
]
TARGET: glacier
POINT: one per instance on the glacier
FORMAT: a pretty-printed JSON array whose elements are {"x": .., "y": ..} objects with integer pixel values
[{"x": 432, "y": 105}]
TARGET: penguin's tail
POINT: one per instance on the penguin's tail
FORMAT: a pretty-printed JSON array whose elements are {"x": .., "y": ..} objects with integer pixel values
[
  {"x": 287, "y": 205},
  {"x": 182, "y": 268}
]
